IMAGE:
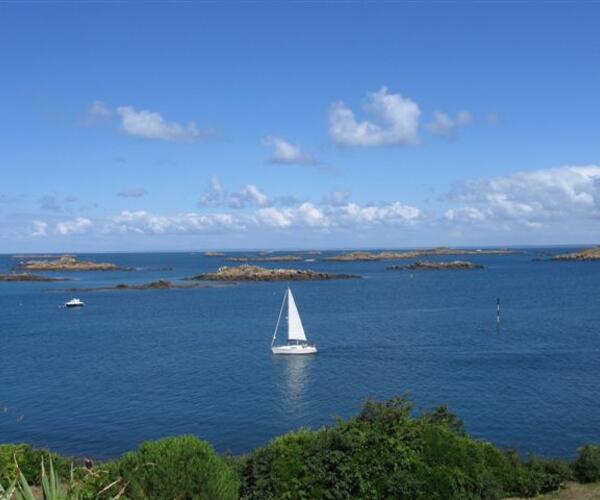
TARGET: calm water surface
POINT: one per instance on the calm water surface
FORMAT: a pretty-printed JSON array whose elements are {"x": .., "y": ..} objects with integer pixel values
[{"x": 137, "y": 365}]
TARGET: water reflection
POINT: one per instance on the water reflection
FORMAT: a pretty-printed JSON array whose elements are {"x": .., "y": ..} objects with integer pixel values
[{"x": 296, "y": 382}]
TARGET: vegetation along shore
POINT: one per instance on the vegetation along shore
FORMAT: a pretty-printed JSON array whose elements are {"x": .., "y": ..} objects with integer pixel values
[{"x": 386, "y": 451}]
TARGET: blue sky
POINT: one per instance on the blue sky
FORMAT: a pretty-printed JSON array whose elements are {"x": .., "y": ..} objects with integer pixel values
[{"x": 141, "y": 126}]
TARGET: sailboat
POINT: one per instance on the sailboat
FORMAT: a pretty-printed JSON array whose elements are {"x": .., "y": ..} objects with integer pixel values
[{"x": 296, "y": 338}]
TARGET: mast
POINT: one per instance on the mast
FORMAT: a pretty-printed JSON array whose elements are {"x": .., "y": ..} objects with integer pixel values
[{"x": 279, "y": 318}]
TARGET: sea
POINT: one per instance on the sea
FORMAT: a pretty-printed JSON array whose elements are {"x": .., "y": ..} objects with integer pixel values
[{"x": 136, "y": 365}]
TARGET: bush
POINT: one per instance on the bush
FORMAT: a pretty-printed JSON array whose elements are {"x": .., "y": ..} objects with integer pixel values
[
  {"x": 175, "y": 468},
  {"x": 386, "y": 453},
  {"x": 587, "y": 464},
  {"x": 29, "y": 460}
]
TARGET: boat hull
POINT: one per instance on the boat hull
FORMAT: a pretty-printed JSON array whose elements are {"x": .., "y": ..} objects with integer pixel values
[
  {"x": 71, "y": 306},
  {"x": 294, "y": 349}
]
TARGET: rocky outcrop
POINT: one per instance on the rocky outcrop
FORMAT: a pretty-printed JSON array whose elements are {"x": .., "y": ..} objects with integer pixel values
[
  {"x": 214, "y": 254},
  {"x": 28, "y": 277},
  {"x": 456, "y": 265},
  {"x": 274, "y": 258},
  {"x": 414, "y": 254},
  {"x": 585, "y": 254},
  {"x": 154, "y": 285},
  {"x": 255, "y": 273},
  {"x": 68, "y": 263}
]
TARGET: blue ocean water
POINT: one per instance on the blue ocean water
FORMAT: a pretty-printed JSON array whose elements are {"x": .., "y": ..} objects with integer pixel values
[{"x": 137, "y": 365}]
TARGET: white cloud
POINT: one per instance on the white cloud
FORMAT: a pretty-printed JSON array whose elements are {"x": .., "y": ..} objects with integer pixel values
[
  {"x": 284, "y": 152},
  {"x": 446, "y": 126},
  {"x": 143, "y": 222},
  {"x": 135, "y": 192},
  {"x": 492, "y": 118},
  {"x": 530, "y": 198},
  {"x": 214, "y": 195},
  {"x": 151, "y": 125},
  {"x": 79, "y": 225},
  {"x": 247, "y": 196},
  {"x": 39, "y": 229},
  {"x": 396, "y": 121}
]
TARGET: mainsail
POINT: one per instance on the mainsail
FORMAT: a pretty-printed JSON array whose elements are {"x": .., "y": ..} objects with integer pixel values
[{"x": 295, "y": 328}]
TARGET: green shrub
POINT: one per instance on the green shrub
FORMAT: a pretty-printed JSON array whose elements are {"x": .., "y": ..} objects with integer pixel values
[
  {"x": 386, "y": 453},
  {"x": 175, "y": 468},
  {"x": 587, "y": 464},
  {"x": 29, "y": 460}
]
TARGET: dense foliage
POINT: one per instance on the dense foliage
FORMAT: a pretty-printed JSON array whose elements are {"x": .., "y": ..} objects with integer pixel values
[
  {"x": 587, "y": 465},
  {"x": 29, "y": 460},
  {"x": 384, "y": 452}
]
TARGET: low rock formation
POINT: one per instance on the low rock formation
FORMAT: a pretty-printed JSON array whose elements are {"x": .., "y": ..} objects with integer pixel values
[
  {"x": 437, "y": 266},
  {"x": 27, "y": 277},
  {"x": 68, "y": 263},
  {"x": 585, "y": 254},
  {"x": 255, "y": 273},
  {"x": 213, "y": 254},
  {"x": 413, "y": 254},
  {"x": 274, "y": 258},
  {"x": 154, "y": 285}
]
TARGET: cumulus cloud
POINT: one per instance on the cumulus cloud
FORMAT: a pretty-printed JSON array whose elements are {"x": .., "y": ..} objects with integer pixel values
[
  {"x": 79, "y": 225},
  {"x": 39, "y": 229},
  {"x": 395, "y": 121},
  {"x": 151, "y": 125},
  {"x": 134, "y": 192},
  {"x": 446, "y": 126},
  {"x": 284, "y": 152},
  {"x": 216, "y": 196},
  {"x": 530, "y": 198},
  {"x": 247, "y": 196}
]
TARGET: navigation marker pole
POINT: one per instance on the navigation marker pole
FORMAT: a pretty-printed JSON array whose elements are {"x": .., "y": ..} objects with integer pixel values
[{"x": 498, "y": 312}]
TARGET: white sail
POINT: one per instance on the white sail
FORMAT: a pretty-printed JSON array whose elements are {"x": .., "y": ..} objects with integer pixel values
[{"x": 295, "y": 328}]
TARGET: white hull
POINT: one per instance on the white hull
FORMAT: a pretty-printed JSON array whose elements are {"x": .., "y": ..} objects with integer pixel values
[{"x": 294, "y": 349}]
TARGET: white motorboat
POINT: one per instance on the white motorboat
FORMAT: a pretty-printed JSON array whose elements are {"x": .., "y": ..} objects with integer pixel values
[
  {"x": 75, "y": 303},
  {"x": 296, "y": 338}
]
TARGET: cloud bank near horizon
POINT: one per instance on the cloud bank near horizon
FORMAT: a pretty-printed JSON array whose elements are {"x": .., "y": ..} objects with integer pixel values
[{"x": 529, "y": 202}]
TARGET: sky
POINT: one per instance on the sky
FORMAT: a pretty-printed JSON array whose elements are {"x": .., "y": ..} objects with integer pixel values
[{"x": 133, "y": 126}]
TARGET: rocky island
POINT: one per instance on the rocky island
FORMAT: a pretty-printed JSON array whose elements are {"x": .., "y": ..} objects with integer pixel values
[
  {"x": 28, "y": 277},
  {"x": 255, "y": 273},
  {"x": 413, "y": 254},
  {"x": 154, "y": 285},
  {"x": 214, "y": 254},
  {"x": 68, "y": 263},
  {"x": 455, "y": 265},
  {"x": 585, "y": 254},
  {"x": 274, "y": 258}
]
